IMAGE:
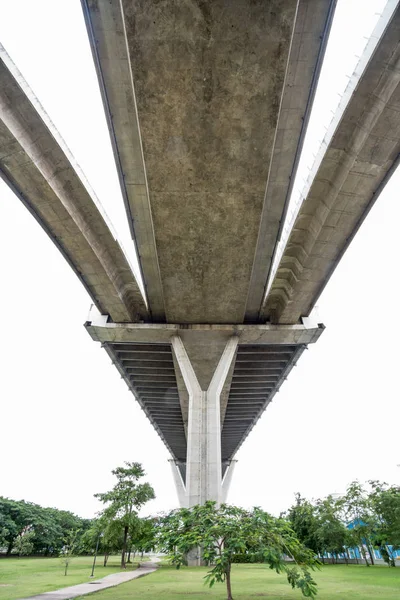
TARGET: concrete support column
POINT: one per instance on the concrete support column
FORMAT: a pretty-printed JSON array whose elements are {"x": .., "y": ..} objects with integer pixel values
[
  {"x": 179, "y": 485},
  {"x": 203, "y": 464},
  {"x": 227, "y": 480}
]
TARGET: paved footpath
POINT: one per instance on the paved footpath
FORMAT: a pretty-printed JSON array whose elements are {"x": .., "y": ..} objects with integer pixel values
[{"x": 99, "y": 584}]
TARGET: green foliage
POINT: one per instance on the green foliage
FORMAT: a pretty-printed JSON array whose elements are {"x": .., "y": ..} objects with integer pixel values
[
  {"x": 331, "y": 533},
  {"x": 142, "y": 536},
  {"x": 357, "y": 509},
  {"x": 373, "y": 514},
  {"x": 385, "y": 502},
  {"x": 303, "y": 520},
  {"x": 223, "y": 533},
  {"x": 68, "y": 550},
  {"x": 24, "y": 543},
  {"x": 47, "y": 526},
  {"x": 123, "y": 502}
]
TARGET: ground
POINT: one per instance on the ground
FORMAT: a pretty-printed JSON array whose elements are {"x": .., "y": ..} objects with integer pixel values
[
  {"x": 21, "y": 577},
  {"x": 251, "y": 581}
]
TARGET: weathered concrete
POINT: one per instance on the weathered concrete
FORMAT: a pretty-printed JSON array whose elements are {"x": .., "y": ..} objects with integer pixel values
[
  {"x": 311, "y": 32},
  {"x": 194, "y": 92},
  {"x": 204, "y": 463},
  {"x": 37, "y": 166},
  {"x": 226, "y": 483},
  {"x": 179, "y": 484},
  {"x": 102, "y": 331},
  {"x": 362, "y": 155},
  {"x": 142, "y": 354}
]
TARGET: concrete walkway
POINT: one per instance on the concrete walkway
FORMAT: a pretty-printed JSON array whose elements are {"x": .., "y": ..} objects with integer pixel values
[{"x": 99, "y": 584}]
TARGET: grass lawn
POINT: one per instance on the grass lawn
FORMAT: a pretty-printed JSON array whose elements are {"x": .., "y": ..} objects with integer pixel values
[
  {"x": 21, "y": 577},
  {"x": 250, "y": 581}
]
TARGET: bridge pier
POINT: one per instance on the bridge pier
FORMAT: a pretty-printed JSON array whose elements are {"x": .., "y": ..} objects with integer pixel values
[{"x": 203, "y": 464}]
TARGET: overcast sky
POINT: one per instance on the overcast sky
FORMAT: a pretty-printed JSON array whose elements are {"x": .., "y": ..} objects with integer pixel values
[{"x": 66, "y": 417}]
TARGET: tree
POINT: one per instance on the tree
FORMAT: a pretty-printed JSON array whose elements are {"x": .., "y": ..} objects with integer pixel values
[
  {"x": 331, "y": 532},
  {"x": 125, "y": 499},
  {"x": 358, "y": 512},
  {"x": 49, "y": 525},
  {"x": 303, "y": 520},
  {"x": 222, "y": 532},
  {"x": 68, "y": 550},
  {"x": 24, "y": 543},
  {"x": 143, "y": 536},
  {"x": 385, "y": 502}
]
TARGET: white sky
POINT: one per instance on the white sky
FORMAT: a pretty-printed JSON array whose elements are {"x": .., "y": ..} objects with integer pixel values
[{"x": 66, "y": 417}]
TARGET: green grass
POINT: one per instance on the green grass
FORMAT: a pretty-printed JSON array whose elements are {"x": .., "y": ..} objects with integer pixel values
[
  {"x": 21, "y": 577},
  {"x": 335, "y": 582}
]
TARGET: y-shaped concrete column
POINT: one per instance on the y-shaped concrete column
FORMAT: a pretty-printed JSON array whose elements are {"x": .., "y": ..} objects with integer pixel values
[
  {"x": 203, "y": 464},
  {"x": 227, "y": 480},
  {"x": 179, "y": 485}
]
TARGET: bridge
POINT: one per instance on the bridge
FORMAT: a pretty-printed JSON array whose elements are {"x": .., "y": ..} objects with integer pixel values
[{"x": 207, "y": 107}]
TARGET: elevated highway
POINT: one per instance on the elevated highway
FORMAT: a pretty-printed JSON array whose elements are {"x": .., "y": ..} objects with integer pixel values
[
  {"x": 360, "y": 158},
  {"x": 207, "y": 105}
]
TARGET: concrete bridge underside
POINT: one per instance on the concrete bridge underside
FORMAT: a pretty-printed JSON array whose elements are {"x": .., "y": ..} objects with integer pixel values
[{"x": 207, "y": 106}]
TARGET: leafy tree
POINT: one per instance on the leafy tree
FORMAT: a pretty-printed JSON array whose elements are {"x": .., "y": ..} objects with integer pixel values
[
  {"x": 15, "y": 517},
  {"x": 358, "y": 511},
  {"x": 222, "y": 532},
  {"x": 303, "y": 520},
  {"x": 24, "y": 543},
  {"x": 331, "y": 533},
  {"x": 385, "y": 502},
  {"x": 125, "y": 499},
  {"x": 49, "y": 525},
  {"x": 110, "y": 533},
  {"x": 68, "y": 550},
  {"x": 143, "y": 538}
]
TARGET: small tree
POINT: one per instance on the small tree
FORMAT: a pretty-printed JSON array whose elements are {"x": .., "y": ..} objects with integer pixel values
[
  {"x": 357, "y": 511},
  {"x": 385, "y": 501},
  {"x": 223, "y": 532},
  {"x": 67, "y": 551},
  {"x": 331, "y": 532},
  {"x": 126, "y": 497},
  {"x": 303, "y": 520},
  {"x": 145, "y": 538},
  {"x": 24, "y": 543}
]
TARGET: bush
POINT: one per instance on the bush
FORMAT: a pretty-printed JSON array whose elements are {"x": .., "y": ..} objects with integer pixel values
[{"x": 248, "y": 558}]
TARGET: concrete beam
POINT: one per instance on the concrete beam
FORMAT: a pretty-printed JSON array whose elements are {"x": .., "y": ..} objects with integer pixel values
[
  {"x": 101, "y": 330},
  {"x": 106, "y": 31},
  {"x": 361, "y": 156},
  {"x": 36, "y": 164},
  {"x": 310, "y": 36}
]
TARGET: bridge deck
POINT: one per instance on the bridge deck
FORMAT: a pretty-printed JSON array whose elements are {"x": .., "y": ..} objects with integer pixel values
[
  {"x": 360, "y": 158},
  {"x": 206, "y": 105},
  {"x": 36, "y": 164}
]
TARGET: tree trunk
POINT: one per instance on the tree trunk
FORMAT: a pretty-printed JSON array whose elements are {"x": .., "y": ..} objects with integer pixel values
[
  {"x": 10, "y": 547},
  {"x": 228, "y": 584},
  {"x": 123, "y": 563},
  {"x": 364, "y": 555},
  {"x": 371, "y": 553},
  {"x": 105, "y": 560},
  {"x": 346, "y": 556},
  {"x": 129, "y": 556},
  {"x": 391, "y": 557},
  {"x": 66, "y": 569}
]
